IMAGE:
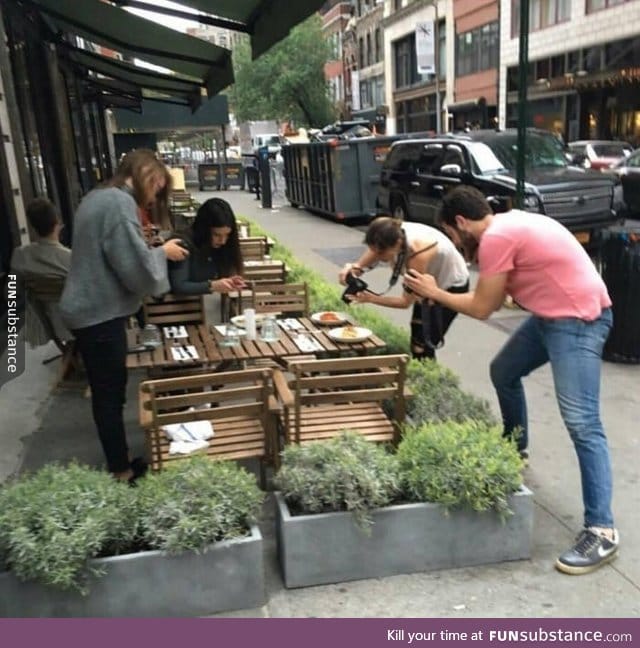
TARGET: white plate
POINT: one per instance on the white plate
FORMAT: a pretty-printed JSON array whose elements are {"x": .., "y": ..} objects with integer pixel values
[
  {"x": 360, "y": 334},
  {"x": 338, "y": 318},
  {"x": 238, "y": 320}
]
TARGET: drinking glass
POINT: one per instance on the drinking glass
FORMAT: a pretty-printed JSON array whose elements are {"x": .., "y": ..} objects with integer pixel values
[
  {"x": 269, "y": 331},
  {"x": 150, "y": 336},
  {"x": 231, "y": 336}
]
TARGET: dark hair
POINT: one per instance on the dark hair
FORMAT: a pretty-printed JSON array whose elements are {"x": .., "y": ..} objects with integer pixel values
[
  {"x": 383, "y": 233},
  {"x": 141, "y": 165},
  {"x": 42, "y": 216},
  {"x": 464, "y": 201},
  {"x": 216, "y": 212}
]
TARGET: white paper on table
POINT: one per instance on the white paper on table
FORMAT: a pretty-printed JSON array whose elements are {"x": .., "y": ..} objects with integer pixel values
[
  {"x": 185, "y": 352},
  {"x": 307, "y": 343},
  {"x": 291, "y": 324},
  {"x": 175, "y": 332}
]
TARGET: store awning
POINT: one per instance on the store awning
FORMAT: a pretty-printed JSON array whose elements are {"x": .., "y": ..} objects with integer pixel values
[
  {"x": 94, "y": 67},
  {"x": 267, "y": 21},
  {"x": 469, "y": 104},
  {"x": 131, "y": 35}
]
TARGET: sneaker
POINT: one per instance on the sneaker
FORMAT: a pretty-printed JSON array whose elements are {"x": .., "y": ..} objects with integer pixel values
[{"x": 590, "y": 551}]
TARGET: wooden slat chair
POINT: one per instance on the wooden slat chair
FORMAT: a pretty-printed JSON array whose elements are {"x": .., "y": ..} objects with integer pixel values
[
  {"x": 253, "y": 248},
  {"x": 290, "y": 299},
  {"x": 244, "y": 228},
  {"x": 174, "y": 310},
  {"x": 242, "y": 411},
  {"x": 44, "y": 290},
  {"x": 325, "y": 397}
]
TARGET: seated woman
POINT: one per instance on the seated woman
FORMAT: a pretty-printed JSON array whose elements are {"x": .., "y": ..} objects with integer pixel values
[
  {"x": 214, "y": 264},
  {"x": 418, "y": 247}
]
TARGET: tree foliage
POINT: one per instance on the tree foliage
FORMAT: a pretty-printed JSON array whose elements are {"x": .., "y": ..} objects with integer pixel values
[{"x": 286, "y": 82}]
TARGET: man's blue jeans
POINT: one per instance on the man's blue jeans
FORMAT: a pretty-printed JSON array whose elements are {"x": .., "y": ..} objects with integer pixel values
[{"x": 574, "y": 349}]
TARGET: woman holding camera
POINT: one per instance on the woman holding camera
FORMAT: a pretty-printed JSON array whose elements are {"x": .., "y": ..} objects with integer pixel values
[{"x": 424, "y": 249}]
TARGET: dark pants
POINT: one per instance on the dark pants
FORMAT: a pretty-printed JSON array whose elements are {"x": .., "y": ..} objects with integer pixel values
[
  {"x": 429, "y": 323},
  {"x": 103, "y": 348}
]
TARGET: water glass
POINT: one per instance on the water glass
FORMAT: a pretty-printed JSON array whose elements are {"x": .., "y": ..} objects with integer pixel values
[
  {"x": 150, "y": 336},
  {"x": 269, "y": 331},
  {"x": 231, "y": 336}
]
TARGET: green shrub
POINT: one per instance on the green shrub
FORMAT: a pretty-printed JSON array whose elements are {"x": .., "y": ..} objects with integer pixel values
[
  {"x": 53, "y": 522},
  {"x": 465, "y": 464},
  {"x": 437, "y": 396},
  {"x": 347, "y": 473},
  {"x": 197, "y": 502}
]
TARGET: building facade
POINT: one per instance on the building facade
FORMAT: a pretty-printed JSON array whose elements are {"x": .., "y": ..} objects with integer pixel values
[
  {"x": 584, "y": 67},
  {"x": 335, "y": 18},
  {"x": 473, "y": 99},
  {"x": 414, "y": 99}
]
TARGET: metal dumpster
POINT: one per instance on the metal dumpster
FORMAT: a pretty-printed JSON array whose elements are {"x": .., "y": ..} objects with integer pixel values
[
  {"x": 620, "y": 262},
  {"x": 209, "y": 176},
  {"x": 338, "y": 178}
]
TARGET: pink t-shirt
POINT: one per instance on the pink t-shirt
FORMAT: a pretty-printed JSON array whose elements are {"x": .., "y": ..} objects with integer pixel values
[{"x": 549, "y": 273}]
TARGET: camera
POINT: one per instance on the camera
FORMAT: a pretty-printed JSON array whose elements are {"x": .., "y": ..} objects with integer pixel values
[{"x": 354, "y": 285}]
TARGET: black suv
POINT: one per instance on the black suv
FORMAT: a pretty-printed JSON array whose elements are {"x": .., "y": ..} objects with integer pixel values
[{"x": 418, "y": 172}]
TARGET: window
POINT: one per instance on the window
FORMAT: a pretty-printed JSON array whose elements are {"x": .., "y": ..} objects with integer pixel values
[
  {"x": 369, "y": 50},
  {"x": 477, "y": 49},
  {"x": 378, "y": 41},
  {"x": 596, "y": 5},
  {"x": 361, "y": 53},
  {"x": 430, "y": 159},
  {"x": 542, "y": 14}
]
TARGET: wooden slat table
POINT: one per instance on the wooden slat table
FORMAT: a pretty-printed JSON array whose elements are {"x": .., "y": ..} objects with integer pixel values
[{"x": 211, "y": 353}]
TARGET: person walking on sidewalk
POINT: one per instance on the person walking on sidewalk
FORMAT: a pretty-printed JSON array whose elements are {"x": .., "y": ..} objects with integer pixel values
[
  {"x": 112, "y": 269},
  {"x": 547, "y": 272},
  {"x": 425, "y": 249}
]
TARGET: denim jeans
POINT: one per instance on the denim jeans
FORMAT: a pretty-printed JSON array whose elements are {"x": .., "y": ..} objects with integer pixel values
[
  {"x": 574, "y": 349},
  {"x": 103, "y": 348}
]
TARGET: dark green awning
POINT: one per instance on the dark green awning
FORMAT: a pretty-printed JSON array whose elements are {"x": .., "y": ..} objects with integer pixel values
[
  {"x": 149, "y": 81},
  {"x": 132, "y": 35},
  {"x": 268, "y": 21}
]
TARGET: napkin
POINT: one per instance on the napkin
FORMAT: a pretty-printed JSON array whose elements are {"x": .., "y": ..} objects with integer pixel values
[
  {"x": 185, "y": 352},
  {"x": 290, "y": 324},
  {"x": 175, "y": 332},
  {"x": 182, "y": 447},
  {"x": 307, "y": 343},
  {"x": 191, "y": 432}
]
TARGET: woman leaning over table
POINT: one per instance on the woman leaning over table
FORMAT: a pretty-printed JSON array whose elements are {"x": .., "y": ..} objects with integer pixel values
[
  {"x": 214, "y": 264},
  {"x": 422, "y": 248},
  {"x": 112, "y": 269}
]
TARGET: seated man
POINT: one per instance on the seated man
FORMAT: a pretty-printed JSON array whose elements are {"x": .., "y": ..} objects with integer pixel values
[{"x": 45, "y": 257}]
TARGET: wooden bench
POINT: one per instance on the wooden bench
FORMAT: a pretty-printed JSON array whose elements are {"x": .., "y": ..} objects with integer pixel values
[
  {"x": 239, "y": 404},
  {"x": 325, "y": 397}
]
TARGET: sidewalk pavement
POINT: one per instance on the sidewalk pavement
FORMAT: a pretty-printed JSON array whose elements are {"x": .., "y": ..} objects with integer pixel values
[{"x": 38, "y": 426}]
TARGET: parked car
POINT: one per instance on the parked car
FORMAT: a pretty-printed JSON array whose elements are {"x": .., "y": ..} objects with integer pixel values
[
  {"x": 598, "y": 154},
  {"x": 418, "y": 172},
  {"x": 627, "y": 172}
]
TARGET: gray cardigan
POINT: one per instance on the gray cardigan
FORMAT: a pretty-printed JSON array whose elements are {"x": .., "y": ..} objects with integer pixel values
[{"x": 112, "y": 268}]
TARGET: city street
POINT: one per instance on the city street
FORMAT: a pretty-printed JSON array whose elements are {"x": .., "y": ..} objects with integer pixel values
[{"x": 39, "y": 426}]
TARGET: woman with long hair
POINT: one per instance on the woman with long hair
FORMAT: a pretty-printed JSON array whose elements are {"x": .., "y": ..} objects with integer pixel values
[
  {"x": 112, "y": 270},
  {"x": 412, "y": 246},
  {"x": 214, "y": 264}
]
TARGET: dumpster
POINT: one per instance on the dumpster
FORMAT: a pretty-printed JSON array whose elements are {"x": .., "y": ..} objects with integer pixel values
[
  {"x": 620, "y": 262},
  {"x": 209, "y": 176},
  {"x": 339, "y": 178},
  {"x": 232, "y": 174}
]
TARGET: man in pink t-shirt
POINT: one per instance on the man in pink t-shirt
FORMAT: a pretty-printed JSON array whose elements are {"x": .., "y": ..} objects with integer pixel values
[{"x": 544, "y": 269}]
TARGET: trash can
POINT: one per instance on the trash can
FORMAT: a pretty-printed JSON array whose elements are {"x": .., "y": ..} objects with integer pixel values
[
  {"x": 209, "y": 176},
  {"x": 232, "y": 174},
  {"x": 620, "y": 262}
]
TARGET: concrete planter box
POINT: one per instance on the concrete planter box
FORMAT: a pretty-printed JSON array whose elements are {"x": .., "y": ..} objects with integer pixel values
[
  {"x": 229, "y": 576},
  {"x": 331, "y": 548}
]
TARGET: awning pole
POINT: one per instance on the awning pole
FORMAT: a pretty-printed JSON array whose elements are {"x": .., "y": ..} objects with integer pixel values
[{"x": 523, "y": 65}]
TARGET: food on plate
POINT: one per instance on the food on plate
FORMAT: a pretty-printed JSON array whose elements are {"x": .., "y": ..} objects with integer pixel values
[
  {"x": 329, "y": 317},
  {"x": 349, "y": 332}
]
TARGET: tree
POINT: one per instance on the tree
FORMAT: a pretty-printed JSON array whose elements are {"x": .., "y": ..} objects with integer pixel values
[{"x": 286, "y": 82}]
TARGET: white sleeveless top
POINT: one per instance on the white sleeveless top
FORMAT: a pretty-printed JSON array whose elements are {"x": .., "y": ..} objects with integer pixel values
[{"x": 448, "y": 266}]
